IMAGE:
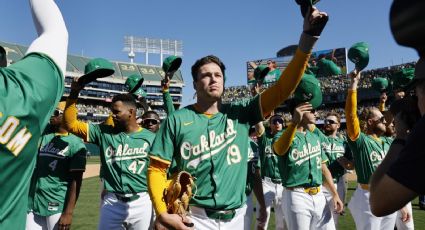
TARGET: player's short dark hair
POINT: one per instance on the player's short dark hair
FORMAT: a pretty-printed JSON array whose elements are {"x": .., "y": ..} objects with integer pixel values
[
  {"x": 335, "y": 114},
  {"x": 206, "y": 60},
  {"x": 126, "y": 98},
  {"x": 150, "y": 112}
]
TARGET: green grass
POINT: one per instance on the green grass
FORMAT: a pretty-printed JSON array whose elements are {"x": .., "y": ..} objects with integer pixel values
[
  {"x": 93, "y": 160},
  {"x": 86, "y": 215}
]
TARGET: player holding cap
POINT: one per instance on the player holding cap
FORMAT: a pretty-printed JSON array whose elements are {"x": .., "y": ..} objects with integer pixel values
[
  {"x": 304, "y": 163},
  {"x": 209, "y": 139},
  {"x": 30, "y": 90},
  {"x": 369, "y": 148},
  {"x": 57, "y": 178},
  {"x": 124, "y": 150}
]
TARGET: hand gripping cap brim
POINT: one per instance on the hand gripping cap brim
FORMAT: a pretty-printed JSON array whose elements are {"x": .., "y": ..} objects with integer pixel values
[
  {"x": 309, "y": 91},
  {"x": 171, "y": 64}
]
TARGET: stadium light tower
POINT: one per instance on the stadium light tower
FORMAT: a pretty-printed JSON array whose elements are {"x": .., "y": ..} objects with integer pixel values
[{"x": 134, "y": 45}]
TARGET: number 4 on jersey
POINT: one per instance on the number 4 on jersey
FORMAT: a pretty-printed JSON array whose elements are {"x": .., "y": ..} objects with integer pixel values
[{"x": 53, "y": 164}]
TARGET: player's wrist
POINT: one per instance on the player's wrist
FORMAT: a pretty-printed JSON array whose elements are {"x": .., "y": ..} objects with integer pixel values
[
  {"x": 307, "y": 42},
  {"x": 74, "y": 94}
]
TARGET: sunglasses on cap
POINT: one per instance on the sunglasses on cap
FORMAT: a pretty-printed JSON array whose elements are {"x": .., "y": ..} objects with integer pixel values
[
  {"x": 150, "y": 121},
  {"x": 57, "y": 112},
  {"x": 277, "y": 120},
  {"x": 330, "y": 122}
]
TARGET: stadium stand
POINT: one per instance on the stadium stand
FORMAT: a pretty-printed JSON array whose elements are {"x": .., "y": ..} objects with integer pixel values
[{"x": 96, "y": 97}]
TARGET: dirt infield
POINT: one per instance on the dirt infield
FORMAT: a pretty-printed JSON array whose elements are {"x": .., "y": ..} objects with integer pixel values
[{"x": 91, "y": 170}]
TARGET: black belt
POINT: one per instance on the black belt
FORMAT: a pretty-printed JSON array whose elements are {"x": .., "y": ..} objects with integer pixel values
[
  {"x": 126, "y": 197},
  {"x": 275, "y": 181}
]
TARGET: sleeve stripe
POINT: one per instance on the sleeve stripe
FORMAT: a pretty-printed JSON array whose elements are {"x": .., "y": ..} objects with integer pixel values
[{"x": 160, "y": 160}]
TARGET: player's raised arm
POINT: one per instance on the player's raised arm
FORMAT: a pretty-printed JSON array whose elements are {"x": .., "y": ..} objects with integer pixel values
[
  {"x": 281, "y": 145},
  {"x": 53, "y": 35},
  {"x": 353, "y": 123},
  {"x": 314, "y": 23},
  {"x": 166, "y": 97},
  {"x": 72, "y": 124}
]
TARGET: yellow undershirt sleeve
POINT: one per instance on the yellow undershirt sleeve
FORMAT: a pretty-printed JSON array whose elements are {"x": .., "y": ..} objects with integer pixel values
[
  {"x": 382, "y": 106},
  {"x": 157, "y": 182},
  {"x": 73, "y": 125},
  {"x": 281, "y": 146},
  {"x": 352, "y": 121},
  {"x": 109, "y": 121},
  {"x": 286, "y": 85}
]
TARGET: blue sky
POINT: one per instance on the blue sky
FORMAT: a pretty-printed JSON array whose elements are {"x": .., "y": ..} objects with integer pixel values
[{"x": 234, "y": 30}]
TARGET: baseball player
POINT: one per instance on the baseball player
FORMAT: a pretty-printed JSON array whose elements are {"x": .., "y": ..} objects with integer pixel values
[
  {"x": 368, "y": 147},
  {"x": 208, "y": 139},
  {"x": 401, "y": 222},
  {"x": 271, "y": 170},
  {"x": 124, "y": 158},
  {"x": 150, "y": 121},
  {"x": 253, "y": 183},
  {"x": 303, "y": 166},
  {"x": 339, "y": 159},
  {"x": 57, "y": 177},
  {"x": 29, "y": 88}
]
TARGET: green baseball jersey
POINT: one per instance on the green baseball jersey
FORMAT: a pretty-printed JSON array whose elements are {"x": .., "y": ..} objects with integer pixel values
[
  {"x": 302, "y": 164},
  {"x": 29, "y": 91},
  {"x": 214, "y": 149},
  {"x": 334, "y": 148},
  {"x": 57, "y": 156},
  {"x": 253, "y": 165},
  {"x": 123, "y": 156},
  {"x": 270, "y": 162},
  {"x": 368, "y": 153},
  {"x": 272, "y": 76}
]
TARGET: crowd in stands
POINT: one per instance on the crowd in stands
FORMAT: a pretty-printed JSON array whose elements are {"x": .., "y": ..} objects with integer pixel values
[
  {"x": 331, "y": 84},
  {"x": 94, "y": 109}
]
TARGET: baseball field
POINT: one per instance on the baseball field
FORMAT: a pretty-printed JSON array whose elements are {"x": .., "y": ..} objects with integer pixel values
[{"x": 86, "y": 214}]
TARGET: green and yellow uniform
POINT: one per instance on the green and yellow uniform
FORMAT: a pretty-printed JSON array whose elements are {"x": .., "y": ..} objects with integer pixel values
[
  {"x": 270, "y": 162},
  {"x": 334, "y": 148},
  {"x": 58, "y": 155},
  {"x": 302, "y": 164},
  {"x": 368, "y": 152},
  {"x": 124, "y": 156},
  {"x": 213, "y": 146},
  {"x": 29, "y": 90},
  {"x": 200, "y": 143}
]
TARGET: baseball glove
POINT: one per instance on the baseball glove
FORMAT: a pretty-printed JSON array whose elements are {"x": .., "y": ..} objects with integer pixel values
[{"x": 178, "y": 193}]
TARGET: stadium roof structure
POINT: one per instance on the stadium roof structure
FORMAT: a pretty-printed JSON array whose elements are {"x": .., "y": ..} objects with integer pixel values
[{"x": 75, "y": 65}]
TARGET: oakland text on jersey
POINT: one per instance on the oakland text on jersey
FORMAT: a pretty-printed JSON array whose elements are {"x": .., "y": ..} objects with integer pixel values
[
  {"x": 308, "y": 152},
  {"x": 268, "y": 151},
  {"x": 50, "y": 150},
  {"x": 334, "y": 148},
  {"x": 16, "y": 143},
  {"x": 125, "y": 152},
  {"x": 376, "y": 158},
  {"x": 216, "y": 144}
]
